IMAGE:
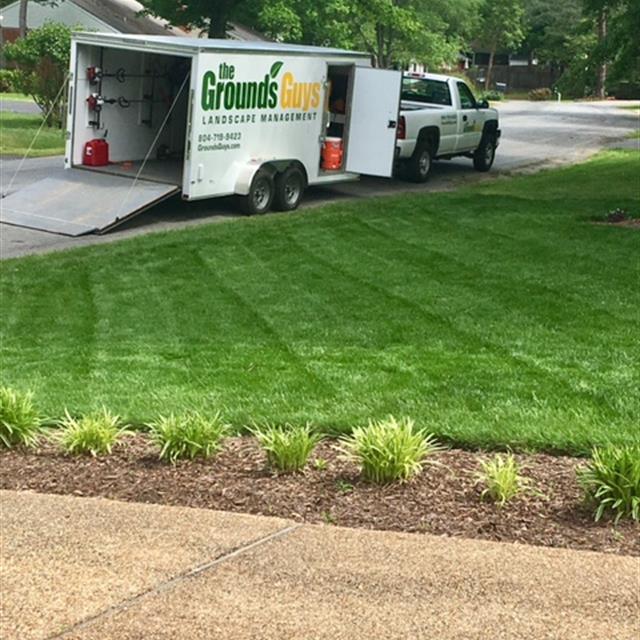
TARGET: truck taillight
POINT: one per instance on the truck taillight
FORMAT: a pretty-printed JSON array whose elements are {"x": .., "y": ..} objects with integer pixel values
[{"x": 401, "y": 131}]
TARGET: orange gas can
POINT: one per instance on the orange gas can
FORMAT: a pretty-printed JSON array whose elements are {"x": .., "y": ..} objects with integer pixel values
[{"x": 332, "y": 152}]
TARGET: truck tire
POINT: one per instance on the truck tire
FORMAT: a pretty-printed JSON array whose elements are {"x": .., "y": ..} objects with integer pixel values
[
  {"x": 289, "y": 189},
  {"x": 260, "y": 195},
  {"x": 485, "y": 154},
  {"x": 419, "y": 165}
]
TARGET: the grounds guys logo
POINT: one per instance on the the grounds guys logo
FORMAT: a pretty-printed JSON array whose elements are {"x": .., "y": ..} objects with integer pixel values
[{"x": 224, "y": 92}]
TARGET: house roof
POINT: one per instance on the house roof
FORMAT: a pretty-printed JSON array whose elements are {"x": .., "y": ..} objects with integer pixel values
[{"x": 123, "y": 16}]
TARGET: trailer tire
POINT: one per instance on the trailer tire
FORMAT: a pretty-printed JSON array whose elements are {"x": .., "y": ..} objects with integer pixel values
[
  {"x": 419, "y": 165},
  {"x": 289, "y": 189},
  {"x": 260, "y": 196},
  {"x": 485, "y": 154}
]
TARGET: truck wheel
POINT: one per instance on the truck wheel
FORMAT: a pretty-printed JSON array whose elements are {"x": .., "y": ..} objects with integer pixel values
[
  {"x": 419, "y": 165},
  {"x": 289, "y": 189},
  {"x": 485, "y": 154},
  {"x": 260, "y": 195}
]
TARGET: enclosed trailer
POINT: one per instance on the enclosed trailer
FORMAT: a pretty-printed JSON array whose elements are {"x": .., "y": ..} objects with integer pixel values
[{"x": 150, "y": 117}]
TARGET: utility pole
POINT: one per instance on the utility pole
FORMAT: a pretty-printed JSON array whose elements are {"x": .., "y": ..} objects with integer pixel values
[
  {"x": 22, "y": 18},
  {"x": 601, "y": 79},
  {"x": 2, "y": 60}
]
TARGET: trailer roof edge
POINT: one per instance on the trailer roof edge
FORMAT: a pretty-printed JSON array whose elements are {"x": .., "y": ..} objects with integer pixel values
[{"x": 190, "y": 46}]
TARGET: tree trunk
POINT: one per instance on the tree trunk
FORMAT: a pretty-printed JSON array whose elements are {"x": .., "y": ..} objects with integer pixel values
[
  {"x": 487, "y": 78},
  {"x": 2, "y": 60},
  {"x": 379, "y": 54},
  {"x": 22, "y": 18},
  {"x": 218, "y": 19},
  {"x": 601, "y": 79}
]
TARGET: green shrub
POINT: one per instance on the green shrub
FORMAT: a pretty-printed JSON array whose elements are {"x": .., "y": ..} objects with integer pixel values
[
  {"x": 188, "y": 435},
  {"x": 492, "y": 95},
  {"x": 389, "y": 450},
  {"x": 8, "y": 80},
  {"x": 95, "y": 433},
  {"x": 42, "y": 61},
  {"x": 288, "y": 447},
  {"x": 540, "y": 94},
  {"x": 611, "y": 480},
  {"x": 19, "y": 419},
  {"x": 501, "y": 478}
]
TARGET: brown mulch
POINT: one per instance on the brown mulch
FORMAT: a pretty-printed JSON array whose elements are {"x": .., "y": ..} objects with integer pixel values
[
  {"x": 443, "y": 500},
  {"x": 632, "y": 223}
]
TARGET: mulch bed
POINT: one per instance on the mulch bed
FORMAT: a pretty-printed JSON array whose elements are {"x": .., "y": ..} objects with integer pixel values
[
  {"x": 443, "y": 500},
  {"x": 632, "y": 223}
]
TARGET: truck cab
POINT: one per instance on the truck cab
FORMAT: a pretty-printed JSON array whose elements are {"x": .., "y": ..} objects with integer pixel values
[{"x": 441, "y": 118}]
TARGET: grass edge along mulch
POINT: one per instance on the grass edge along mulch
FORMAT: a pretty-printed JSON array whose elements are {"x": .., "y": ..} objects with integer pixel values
[{"x": 443, "y": 500}]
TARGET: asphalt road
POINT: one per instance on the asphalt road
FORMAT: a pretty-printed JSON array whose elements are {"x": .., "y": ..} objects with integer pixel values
[
  {"x": 19, "y": 106},
  {"x": 534, "y": 135}
]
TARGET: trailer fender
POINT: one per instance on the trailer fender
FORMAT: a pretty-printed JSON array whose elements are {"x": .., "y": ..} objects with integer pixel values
[
  {"x": 249, "y": 170},
  {"x": 245, "y": 177}
]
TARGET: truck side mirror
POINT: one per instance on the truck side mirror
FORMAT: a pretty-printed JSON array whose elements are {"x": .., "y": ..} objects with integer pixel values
[{"x": 483, "y": 104}]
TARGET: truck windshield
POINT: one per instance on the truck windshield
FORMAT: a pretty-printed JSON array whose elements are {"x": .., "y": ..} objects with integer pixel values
[{"x": 425, "y": 90}]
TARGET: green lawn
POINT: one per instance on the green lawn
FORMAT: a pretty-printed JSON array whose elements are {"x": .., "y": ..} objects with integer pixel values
[
  {"x": 493, "y": 315},
  {"x": 20, "y": 97},
  {"x": 17, "y": 131}
]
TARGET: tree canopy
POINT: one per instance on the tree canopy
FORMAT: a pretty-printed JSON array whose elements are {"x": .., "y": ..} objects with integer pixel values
[{"x": 589, "y": 43}]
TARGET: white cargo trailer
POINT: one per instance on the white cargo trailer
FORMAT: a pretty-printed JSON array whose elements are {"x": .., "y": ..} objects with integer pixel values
[{"x": 208, "y": 118}]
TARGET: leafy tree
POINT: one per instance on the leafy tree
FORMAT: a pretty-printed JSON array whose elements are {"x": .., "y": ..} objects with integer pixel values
[
  {"x": 598, "y": 49},
  {"x": 395, "y": 32},
  {"x": 210, "y": 15},
  {"x": 615, "y": 23},
  {"x": 551, "y": 28},
  {"x": 42, "y": 59},
  {"x": 501, "y": 27},
  {"x": 622, "y": 46}
]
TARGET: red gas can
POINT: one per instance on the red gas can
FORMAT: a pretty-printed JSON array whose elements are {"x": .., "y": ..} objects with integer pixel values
[{"x": 96, "y": 153}]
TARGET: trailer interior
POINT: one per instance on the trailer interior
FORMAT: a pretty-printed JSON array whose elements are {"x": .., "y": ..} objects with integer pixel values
[
  {"x": 337, "y": 109},
  {"x": 137, "y": 102}
]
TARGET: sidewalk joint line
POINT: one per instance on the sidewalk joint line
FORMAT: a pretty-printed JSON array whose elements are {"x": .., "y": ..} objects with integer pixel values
[{"x": 172, "y": 582}]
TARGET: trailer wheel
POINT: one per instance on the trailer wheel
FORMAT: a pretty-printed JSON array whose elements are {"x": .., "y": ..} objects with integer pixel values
[
  {"x": 260, "y": 195},
  {"x": 289, "y": 189},
  {"x": 419, "y": 164}
]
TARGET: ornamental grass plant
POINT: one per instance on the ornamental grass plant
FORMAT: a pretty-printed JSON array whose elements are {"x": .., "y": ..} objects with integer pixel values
[
  {"x": 188, "y": 435},
  {"x": 611, "y": 481},
  {"x": 20, "y": 422},
  {"x": 288, "y": 447},
  {"x": 93, "y": 434},
  {"x": 500, "y": 476},
  {"x": 389, "y": 450}
]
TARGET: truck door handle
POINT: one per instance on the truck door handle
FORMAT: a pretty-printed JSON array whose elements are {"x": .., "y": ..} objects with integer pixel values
[
  {"x": 464, "y": 118},
  {"x": 392, "y": 124}
]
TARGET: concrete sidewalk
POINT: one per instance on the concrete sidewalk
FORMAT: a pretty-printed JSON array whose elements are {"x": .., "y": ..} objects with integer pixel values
[{"x": 92, "y": 568}]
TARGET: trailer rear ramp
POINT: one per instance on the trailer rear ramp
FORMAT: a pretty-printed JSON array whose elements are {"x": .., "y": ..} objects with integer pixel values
[{"x": 81, "y": 201}]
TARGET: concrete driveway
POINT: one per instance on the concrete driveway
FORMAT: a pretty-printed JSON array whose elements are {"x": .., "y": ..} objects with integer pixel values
[
  {"x": 87, "y": 568},
  {"x": 535, "y": 134}
]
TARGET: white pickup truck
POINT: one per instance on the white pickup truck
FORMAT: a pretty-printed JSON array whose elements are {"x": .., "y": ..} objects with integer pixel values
[{"x": 440, "y": 118}]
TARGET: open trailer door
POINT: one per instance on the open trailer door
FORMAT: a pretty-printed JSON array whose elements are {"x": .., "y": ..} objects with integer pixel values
[
  {"x": 80, "y": 201},
  {"x": 374, "y": 111}
]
